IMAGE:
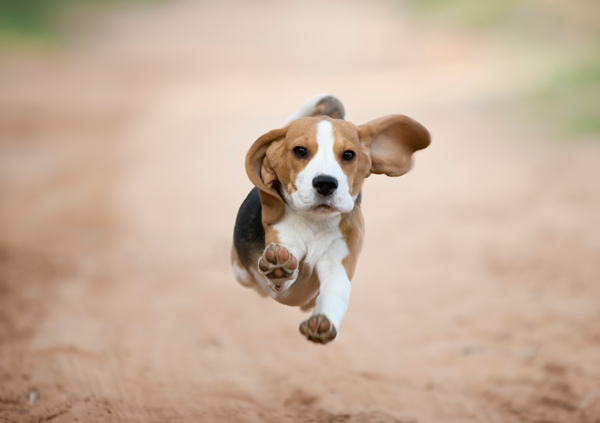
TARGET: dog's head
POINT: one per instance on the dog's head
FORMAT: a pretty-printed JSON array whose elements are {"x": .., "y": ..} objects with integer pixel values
[{"x": 318, "y": 164}]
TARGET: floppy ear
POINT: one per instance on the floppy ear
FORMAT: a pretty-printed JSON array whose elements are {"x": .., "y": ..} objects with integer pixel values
[
  {"x": 262, "y": 176},
  {"x": 391, "y": 141}
]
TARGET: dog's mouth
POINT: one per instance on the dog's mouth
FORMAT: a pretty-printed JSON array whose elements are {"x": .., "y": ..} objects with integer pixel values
[{"x": 325, "y": 209}]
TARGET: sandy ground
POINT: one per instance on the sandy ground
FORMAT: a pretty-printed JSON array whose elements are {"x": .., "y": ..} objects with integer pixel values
[{"x": 477, "y": 296}]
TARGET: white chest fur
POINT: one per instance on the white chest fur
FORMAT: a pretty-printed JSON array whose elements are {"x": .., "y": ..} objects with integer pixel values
[
  {"x": 310, "y": 238},
  {"x": 318, "y": 241}
]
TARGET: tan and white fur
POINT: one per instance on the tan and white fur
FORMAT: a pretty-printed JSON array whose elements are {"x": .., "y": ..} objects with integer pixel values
[{"x": 298, "y": 234}]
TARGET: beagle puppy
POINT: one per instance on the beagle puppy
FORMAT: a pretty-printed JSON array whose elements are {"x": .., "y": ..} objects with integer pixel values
[{"x": 299, "y": 232}]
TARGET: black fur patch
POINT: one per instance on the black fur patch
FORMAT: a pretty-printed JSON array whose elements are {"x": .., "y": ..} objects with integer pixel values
[{"x": 249, "y": 234}]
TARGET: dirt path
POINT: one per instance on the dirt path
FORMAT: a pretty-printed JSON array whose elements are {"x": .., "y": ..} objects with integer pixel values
[{"x": 477, "y": 297}]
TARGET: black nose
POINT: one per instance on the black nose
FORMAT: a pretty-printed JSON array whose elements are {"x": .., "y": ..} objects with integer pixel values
[{"x": 325, "y": 185}]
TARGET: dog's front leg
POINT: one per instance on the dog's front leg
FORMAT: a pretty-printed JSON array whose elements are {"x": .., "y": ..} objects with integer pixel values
[{"x": 334, "y": 294}]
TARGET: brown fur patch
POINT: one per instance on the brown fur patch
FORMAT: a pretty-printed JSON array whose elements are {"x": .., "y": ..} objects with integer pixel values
[
  {"x": 392, "y": 140},
  {"x": 352, "y": 228}
]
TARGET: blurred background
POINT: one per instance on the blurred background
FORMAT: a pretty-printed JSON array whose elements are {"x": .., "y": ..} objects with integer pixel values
[{"x": 123, "y": 130}]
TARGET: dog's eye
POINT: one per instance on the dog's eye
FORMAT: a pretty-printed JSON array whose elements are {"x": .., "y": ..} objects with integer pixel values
[
  {"x": 348, "y": 155},
  {"x": 300, "y": 152}
]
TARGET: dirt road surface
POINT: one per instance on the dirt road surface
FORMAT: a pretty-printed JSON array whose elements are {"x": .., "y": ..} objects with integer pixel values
[{"x": 477, "y": 296}]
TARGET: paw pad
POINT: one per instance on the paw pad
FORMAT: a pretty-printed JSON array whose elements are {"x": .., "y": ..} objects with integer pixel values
[
  {"x": 277, "y": 262},
  {"x": 318, "y": 329}
]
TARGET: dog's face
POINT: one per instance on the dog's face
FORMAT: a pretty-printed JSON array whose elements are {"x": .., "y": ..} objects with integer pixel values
[{"x": 318, "y": 164}]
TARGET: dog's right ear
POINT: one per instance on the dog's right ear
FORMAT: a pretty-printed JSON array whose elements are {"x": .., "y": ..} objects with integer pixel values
[
  {"x": 264, "y": 178},
  {"x": 392, "y": 141}
]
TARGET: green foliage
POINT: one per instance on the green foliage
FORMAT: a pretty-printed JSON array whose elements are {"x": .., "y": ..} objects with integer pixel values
[
  {"x": 566, "y": 92},
  {"x": 570, "y": 98},
  {"x": 28, "y": 18},
  {"x": 40, "y": 21},
  {"x": 469, "y": 13}
]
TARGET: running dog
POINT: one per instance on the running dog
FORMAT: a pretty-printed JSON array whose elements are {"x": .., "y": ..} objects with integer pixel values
[{"x": 299, "y": 232}]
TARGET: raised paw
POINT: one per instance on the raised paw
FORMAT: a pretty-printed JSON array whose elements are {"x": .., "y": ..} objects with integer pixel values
[
  {"x": 318, "y": 329},
  {"x": 277, "y": 263}
]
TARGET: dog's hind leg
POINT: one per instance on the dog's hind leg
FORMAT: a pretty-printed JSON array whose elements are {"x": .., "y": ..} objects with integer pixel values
[
  {"x": 239, "y": 272},
  {"x": 242, "y": 275}
]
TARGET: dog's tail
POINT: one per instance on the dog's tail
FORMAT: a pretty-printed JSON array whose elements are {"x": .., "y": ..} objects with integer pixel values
[{"x": 322, "y": 104}]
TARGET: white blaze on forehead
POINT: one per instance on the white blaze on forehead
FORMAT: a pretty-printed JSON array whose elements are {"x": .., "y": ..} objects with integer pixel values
[
  {"x": 324, "y": 162},
  {"x": 325, "y": 156}
]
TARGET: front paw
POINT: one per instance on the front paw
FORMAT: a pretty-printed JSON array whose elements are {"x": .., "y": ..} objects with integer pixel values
[
  {"x": 277, "y": 263},
  {"x": 318, "y": 329}
]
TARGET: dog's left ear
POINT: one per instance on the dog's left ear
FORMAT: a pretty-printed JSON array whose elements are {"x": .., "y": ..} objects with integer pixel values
[
  {"x": 263, "y": 177},
  {"x": 391, "y": 141}
]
